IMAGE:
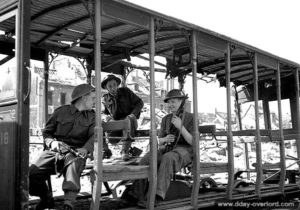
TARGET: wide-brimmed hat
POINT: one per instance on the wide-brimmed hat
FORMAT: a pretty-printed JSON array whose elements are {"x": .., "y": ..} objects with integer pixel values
[
  {"x": 109, "y": 78},
  {"x": 81, "y": 90},
  {"x": 175, "y": 93}
]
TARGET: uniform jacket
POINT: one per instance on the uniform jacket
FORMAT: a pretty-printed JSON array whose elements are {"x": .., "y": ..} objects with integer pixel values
[
  {"x": 188, "y": 123},
  {"x": 71, "y": 126},
  {"x": 127, "y": 103}
]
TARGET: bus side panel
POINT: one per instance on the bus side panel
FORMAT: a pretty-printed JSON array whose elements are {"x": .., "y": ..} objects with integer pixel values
[{"x": 7, "y": 156}]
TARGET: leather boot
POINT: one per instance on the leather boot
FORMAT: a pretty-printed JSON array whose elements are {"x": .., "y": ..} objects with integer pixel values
[{"x": 125, "y": 150}]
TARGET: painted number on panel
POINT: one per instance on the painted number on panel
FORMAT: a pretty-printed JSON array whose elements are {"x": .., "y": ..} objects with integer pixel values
[{"x": 4, "y": 137}]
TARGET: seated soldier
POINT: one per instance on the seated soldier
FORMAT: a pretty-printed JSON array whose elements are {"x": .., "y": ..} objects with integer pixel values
[
  {"x": 175, "y": 147},
  {"x": 120, "y": 103},
  {"x": 69, "y": 137}
]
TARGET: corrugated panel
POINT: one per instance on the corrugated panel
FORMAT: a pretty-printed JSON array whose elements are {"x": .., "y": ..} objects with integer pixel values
[
  {"x": 8, "y": 24},
  {"x": 41, "y": 27},
  {"x": 6, "y": 3},
  {"x": 117, "y": 31}
]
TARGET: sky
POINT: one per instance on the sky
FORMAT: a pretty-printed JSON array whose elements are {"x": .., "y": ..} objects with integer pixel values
[{"x": 270, "y": 25}]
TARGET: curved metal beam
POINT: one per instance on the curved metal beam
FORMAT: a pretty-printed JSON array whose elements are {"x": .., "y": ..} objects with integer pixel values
[
  {"x": 159, "y": 39},
  {"x": 249, "y": 74},
  {"x": 164, "y": 50},
  {"x": 222, "y": 60},
  {"x": 55, "y": 7},
  {"x": 114, "y": 25},
  {"x": 222, "y": 68},
  {"x": 131, "y": 34},
  {"x": 62, "y": 27},
  {"x": 264, "y": 77}
]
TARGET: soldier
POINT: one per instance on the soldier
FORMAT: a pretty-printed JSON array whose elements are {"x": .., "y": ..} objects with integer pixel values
[
  {"x": 175, "y": 147},
  {"x": 69, "y": 138},
  {"x": 120, "y": 103}
]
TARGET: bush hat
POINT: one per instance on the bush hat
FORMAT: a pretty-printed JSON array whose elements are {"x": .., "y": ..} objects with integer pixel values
[
  {"x": 109, "y": 78},
  {"x": 81, "y": 90},
  {"x": 175, "y": 93}
]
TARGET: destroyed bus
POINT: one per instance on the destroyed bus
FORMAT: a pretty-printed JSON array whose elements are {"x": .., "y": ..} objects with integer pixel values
[{"x": 105, "y": 33}]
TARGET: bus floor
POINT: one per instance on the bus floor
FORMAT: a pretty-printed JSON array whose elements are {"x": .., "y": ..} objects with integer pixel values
[{"x": 243, "y": 198}]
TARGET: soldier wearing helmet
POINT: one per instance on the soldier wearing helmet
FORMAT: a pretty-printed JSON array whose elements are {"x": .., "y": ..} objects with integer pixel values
[
  {"x": 120, "y": 103},
  {"x": 175, "y": 147},
  {"x": 68, "y": 136}
]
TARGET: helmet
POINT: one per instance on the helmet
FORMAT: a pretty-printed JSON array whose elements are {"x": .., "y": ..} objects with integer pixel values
[
  {"x": 175, "y": 93},
  {"x": 109, "y": 78},
  {"x": 81, "y": 90}
]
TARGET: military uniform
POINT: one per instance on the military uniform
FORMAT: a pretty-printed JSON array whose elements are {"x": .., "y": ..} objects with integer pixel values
[
  {"x": 74, "y": 128},
  {"x": 124, "y": 104},
  {"x": 168, "y": 161}
]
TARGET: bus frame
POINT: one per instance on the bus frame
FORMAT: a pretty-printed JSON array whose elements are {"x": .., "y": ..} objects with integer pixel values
[{"x": 192, "y": 50}]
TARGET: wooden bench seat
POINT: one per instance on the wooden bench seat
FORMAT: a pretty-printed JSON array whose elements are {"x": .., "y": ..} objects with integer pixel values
[
  {"x": 213, "y": 167},
  {"x": 267, "y": 166},
  {"x": 124, "y": 172}
]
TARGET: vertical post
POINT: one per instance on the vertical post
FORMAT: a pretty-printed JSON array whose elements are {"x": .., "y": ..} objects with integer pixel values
[
  {"x": 196, "y": 159},
  {"x": 168, "y": 84},
  {"x": 98, "y": 143},
  {"x": 229, "y": 129},
  {"x": 172, "y": 84},
  {"x": 296, "y": 75},
  {"x": 153, "y": 141},
  {"x": 281, "y": 143},
  {"x": 267, "y": 116},
  {"x": 257, "y": 131},
  {"x": 46, "y": 80},
  {"x": 23, "y": 87},
  {"x": 245, "y": 145},
  {"x": 89, "y": 68}
]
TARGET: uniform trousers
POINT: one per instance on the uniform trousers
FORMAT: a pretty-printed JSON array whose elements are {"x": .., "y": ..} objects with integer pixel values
[
  {"x": 50, "y": 163},
  {"x": 168, "y": 163}
]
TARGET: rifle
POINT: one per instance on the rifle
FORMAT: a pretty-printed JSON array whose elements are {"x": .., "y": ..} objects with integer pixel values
[
  {"x": 173, "y": 130},
  {"x": 67, "y": 148},
  {"x": 60, "y": 166}
]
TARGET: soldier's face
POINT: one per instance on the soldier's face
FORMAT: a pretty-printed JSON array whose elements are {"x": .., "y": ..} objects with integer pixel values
[
  {"x": 112, "y": 87},
  {"x": 90, "y": 100},
  {"x": 174, "y": 104}
]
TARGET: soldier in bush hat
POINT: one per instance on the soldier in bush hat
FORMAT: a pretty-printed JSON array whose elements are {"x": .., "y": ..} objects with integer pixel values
[
  {"x": 69, "y": 138},
  {"x": 120, "y": 103},
  {"x": 175, "y": 93},
  {"x": 175, "y": 147},
  {"x": 109, "y": 78}
]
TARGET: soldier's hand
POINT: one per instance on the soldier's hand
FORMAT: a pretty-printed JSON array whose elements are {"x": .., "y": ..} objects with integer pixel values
[
  {"x": 169, "y": 138},
  {"x": 176, "y": 121},
  {"x": 55, "y": 146},
  {"x": 82, "y": 151}
]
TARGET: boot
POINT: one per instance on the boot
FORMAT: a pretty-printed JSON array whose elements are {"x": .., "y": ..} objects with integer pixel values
[
  {"x": 125, "y": 150},
  {"x": 68, "y": 206},
  {"x": 46, "y": 202},
  {"x": 106, "y": 151},
  {"x": 70, "y": 198}
]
